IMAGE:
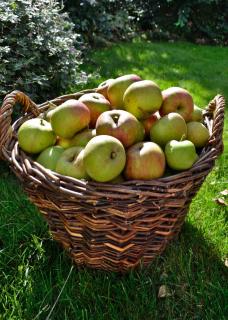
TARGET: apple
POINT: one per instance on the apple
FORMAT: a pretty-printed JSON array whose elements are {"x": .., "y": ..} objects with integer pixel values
[
  {"x": 118, "y": 179},
  {"x": 149, "y": 122},
  {"x": 142, "y": 98},
  {"x": 103, "y": 87},
  {"x": 145, "y": 161},
  {"x": 48, "y": 114},
  {"x": 35, "y": 135},
  {"x": 71, "y": 163},
  {"x": 104, "y": 158},
  {"x": 197, "y": 133},
  {"x": 141, "y": 133},
  {"x": 69, "y": 118},
  {"x": 170, "y": 127},
  {"x": 117, "y": 88},
  {"x": 178, "y": 100},
  {"x": 180, "y": 155},
  {"x": 80, "y": 139},
  {"x": 196, "y": 115},
  {"x": 49, "y": 157},
  {"x": 97, "y": 104},
  {"x": 121, "y": 125}
]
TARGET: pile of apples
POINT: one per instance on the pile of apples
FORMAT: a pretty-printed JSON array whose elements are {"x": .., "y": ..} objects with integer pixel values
[{"x": 127, "y": 129}]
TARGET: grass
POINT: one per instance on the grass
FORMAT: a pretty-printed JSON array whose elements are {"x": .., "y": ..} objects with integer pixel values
[{"x": 34, "y": 269}]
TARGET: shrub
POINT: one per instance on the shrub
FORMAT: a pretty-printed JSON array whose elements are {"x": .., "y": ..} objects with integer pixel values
[
  {"x": 100, "y": 21},
  {"x": 204, "y": 19},
  {"x": 194, "y": 20},
  {"x": 39, "y": 52}
]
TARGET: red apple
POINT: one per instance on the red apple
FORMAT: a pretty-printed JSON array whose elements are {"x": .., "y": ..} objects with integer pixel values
[
  {"x": 69, "y": 118},
  {"x": 121, "y": 125},
  {"x": 97, "y": 104},
  {"x": 149, "y": 122},
  {"x": 145, "y": 161},
  {"x": 178, "y": 100},
  {"x": 103, "y": 87}
]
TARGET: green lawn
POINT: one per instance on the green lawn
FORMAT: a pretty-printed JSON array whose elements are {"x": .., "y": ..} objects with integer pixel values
[{"x": 34, "y": 269}]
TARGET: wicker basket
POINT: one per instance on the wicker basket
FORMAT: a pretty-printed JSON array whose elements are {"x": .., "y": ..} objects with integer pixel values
[{"x": 102, "y": 225}]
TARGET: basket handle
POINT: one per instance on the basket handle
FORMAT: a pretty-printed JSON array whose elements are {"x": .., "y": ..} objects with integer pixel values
[
  {"x": 6, "y": 111},
  {"x": 215, "y": 111}
]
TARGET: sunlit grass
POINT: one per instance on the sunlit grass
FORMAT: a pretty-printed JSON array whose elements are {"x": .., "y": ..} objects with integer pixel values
[{"x": 33, "y": 268}]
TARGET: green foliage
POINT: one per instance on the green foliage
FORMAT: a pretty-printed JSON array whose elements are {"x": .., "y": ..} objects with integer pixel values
[
  {"x": 198, "y": 20},
  {"x": 205, "y": 19},
  {"x": 39, "y": 52},
  {"x": 100, "y": 21}
]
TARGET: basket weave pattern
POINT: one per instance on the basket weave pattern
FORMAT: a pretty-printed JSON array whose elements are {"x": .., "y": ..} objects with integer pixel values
[{"x": 102, "y": 225}]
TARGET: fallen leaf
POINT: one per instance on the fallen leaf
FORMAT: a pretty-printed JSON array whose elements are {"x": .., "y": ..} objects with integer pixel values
[
  {"x": 164, "y": 292},
  {"x": 224, "y": 192},
  {"x": 226, "y": 262},
  {"x": 221, "y": 201},
  {"x": 163, "y": 276}
]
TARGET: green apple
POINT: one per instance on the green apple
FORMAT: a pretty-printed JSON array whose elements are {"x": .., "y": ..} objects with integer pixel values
[
  {"x": 196, "y": 115},
  {"x": 97, "y": 104},
  {"x": 118, "y": 179},
  {"x": 176, "y": 99},
  {"x": 141, "y": 133},
  {"x": 71, "y": 163},
  {"x": 79, "y": 140},
  {"x": 104, "y": 158},
  {"x": 145, "y": 161},
  {"x": 48, "y": 114},
  {"x": 117, "y": 88},
  {"x": 121, "y": 125},
  {"x": 142, "y": 98},
  {"x": 197, "y": 133},
  {"x": 49, "y": 157},
  {"x": 170, "y": 127},
  {"x": 69, "y": 118},
  {"x": 103, "y": 87},
  {"x": 180, "y": 155},
  {"x": 35, "y": 135}
]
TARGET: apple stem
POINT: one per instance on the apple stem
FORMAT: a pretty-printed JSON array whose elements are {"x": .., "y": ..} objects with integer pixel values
[
  {"x": 113, "y": 155},
  {"x": 115, "y": 118},
  {"x": 183, "y": 137}
]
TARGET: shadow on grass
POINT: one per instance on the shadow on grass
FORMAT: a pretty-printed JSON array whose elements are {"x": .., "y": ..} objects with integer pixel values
[
  {"x": 37, "y": 267},
  {"x": 190, "y": 268}
]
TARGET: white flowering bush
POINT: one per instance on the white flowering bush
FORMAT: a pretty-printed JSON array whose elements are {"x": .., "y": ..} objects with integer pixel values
[{"x": 39, "y": 51}]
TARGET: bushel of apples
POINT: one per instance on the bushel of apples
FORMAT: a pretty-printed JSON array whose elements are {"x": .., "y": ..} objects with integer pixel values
[{"x": 127, "y": 129}]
